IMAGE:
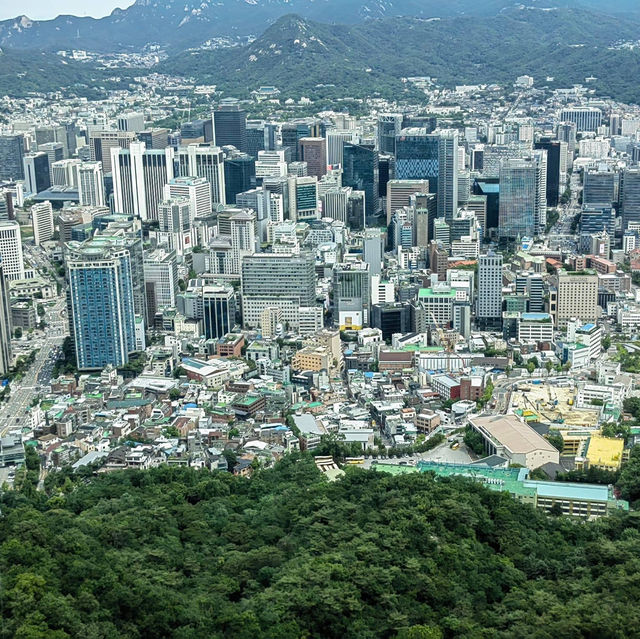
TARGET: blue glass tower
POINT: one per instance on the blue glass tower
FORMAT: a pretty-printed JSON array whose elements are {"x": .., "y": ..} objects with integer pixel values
[
  {"x": 101, "y": 304},
  {"x": 417, "y": 156}
]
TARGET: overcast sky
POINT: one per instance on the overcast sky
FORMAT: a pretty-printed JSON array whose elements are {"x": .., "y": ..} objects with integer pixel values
[{"x": 46, "y": 9}]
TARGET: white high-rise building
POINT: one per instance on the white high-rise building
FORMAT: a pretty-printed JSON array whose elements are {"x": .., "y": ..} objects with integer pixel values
[
  {"x": 335, "y": 145},
  {"x": 174, "y": 218},
  {"x": 65, "y": 173},
  {"x": 448, "y": 174},
  {"x": 196, "y": 189},
  {"x": 139, "y": 177},
  {"x": 42, "y": 218},
  {"x": 91, "y": 184},
  {"x": 489, "y": 311},
  {"x": 11, "y": 250},
  {"x": 243, "y": 238},
  {"x": 161, "y": 280},
  {"x": 199, "y": 160},
  {"x": 271, "y": 164}
]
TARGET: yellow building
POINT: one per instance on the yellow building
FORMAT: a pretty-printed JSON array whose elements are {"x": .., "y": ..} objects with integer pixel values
[
  {"x": 601, "y": 452},
  {"x": 312, "y": 359}
]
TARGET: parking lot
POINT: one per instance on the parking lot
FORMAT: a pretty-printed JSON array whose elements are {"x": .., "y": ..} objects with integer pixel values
[{"x": 442, "y": 454}]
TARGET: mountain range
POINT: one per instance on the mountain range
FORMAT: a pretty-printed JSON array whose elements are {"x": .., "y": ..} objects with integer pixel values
[
  {"x": 179, "y": 24},
  {"x": 372, "y": 57}
]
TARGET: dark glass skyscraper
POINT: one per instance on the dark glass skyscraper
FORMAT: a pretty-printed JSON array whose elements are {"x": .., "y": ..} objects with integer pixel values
[
  {"x": 230, "y": 126},
  {"x": 361, "y": 173},
  {"x": 239, "y": 175},
  {"x": 417, "y": 156},
  {"x": 11, "y": 156},
  {"x": 552, "y": 147}
]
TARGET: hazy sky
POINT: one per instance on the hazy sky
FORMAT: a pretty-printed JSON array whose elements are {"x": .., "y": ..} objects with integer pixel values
[{"x": 45, "y": 9}]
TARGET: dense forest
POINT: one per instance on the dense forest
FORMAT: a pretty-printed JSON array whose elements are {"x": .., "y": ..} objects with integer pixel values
[{"x": 180, "y": 553}]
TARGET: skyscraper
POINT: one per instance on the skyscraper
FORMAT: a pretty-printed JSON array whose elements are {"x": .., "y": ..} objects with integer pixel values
[
  {"x": 197, "y": 160},
  {"x": 335, "y": 144},
  {"x": 630, "y": 197},
  {"x": 303, "y": 198},
  {"x": 131, "y": 121},
  {"x": 42, "y": 218},
  {"x": 351, "y": 295},
  {"x": 101, "y": 304},
  {"x": 5, "y": 323},
  {"x": 101, "y": 144},
  {"x": 417, "y": 156},
  {"x": 553, "y": 149},
  {"x": 174, "y": 219},
  {"x": 139, "y": 176},
  {"x": 161, "y": 281},
  {"x": 11, "y": 155},
  {"x": 239, "y": 174},
  {"x": 11, "y": 250},
  {"x": 196, "y": 190},
  {"x": 389, "y": 126},
  {"x": 585, "y": 118},
  {"x": 91, "y": 184},
  {"x": 575, "y": 296},
  {"x": 55, "y": 152},
  {"x": 361, "y": 173},
  {"x": 599, "y": 187},
  {"x": 65, "y": 173},
  {"x": 447, "y": 174},
  {"x": 37, "y": 175},
  {"x": 373, "y": 250},
  {"x": 313, "y": 151},
  {"x": 230, "y": 126},
  {"x": 489, "y": 309}
]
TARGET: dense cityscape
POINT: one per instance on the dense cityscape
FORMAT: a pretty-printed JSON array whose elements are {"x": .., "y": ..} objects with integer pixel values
[{"x": 221, "y": 314}]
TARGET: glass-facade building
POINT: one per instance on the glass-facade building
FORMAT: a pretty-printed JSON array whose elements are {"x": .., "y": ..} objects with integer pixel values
[
  {"x": 101, "y": 304},
  {"x": 417, "y": 156},
  {"x": 361, "y": 173},
  {"x": 219, "y": 311},
  {"x": 518, "y": 199}
]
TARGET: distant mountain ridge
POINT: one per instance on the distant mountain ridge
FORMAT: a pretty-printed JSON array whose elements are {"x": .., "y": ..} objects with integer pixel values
[{"x": 181, "y": 24}]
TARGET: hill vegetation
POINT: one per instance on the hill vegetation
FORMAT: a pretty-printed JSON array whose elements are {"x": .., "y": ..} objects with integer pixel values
[
  {"x": 302, "y": 57},
  {"x": 178, "y": 553}
]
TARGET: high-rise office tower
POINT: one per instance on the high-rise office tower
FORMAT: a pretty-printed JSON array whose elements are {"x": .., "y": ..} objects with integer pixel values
[
  {"x": 399, "y": 193},
  {"x": 255, "y": 139},
  {"x": 292, "y": 132},
  {"x": 37, "y": 175},
  {"x": 447, "y": 174},
  {"x": 161, "y": 280},
  {"x": 567, "y": 132},
  {"x": 54, "y": 133},
  {"x": 585, "y": 118},
  {"x": 91, "y": 184},
  {"x": 297, "y": 169},
  {"x": 11, "y": 156},
  {"x": 55, "y": 152},
  {"x": 219, "y": 310},
  {"x": 101, "y": 144},
  {"x": 595, "y": 219},
  {"x": 334, "y": 203},
  {"x": 389, "y": 126},
  {"x": 522, "y": 197},
  {"x": 197, "y": 132},
  {"x": 239, "y": 174},
  {"x": 139, "y": 177},
  {"x": 101, "y": 309},
  {"x": 599, "y": 187},
  {"x": 42, "y": 218},
  {"x": 243, "y": 238},
  {"x": 65, "y": 173},
  {"x": 5, "y": 323},
  {"x": 155, "y": 138},
  {"x": 361, "y": 173},
  {"x": 373, "y": 250},
  {"x": 303, "y": 198},
  {"x": 335, "y": 144},
  {"x": 271, "y": 164},
  {"x": 313, "y": 151},
  {"x": 174, "y": 218},
  {"x": 553, "y": 149},
  {"x": 196, "y": 190},
  {"x": 207, "y": 162},
  {"x": 11, "y": 250},
  {"x": 417, "y": 156},
  {"x": 284, "y": 281},
  {"x": 489, "y": 308},
  {"x": 630, "y": 197},
  {"x": 351, "y": 295},
  {"x": 575, "y": 296},
  {"x": 131, "y": 122},
  {"x": 230, "y": 126}
]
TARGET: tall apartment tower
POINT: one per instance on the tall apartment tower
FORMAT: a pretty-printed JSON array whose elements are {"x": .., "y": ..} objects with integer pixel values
[
  {"x": 5, "y": 323},
  {"x": 42, "y": 218},
  {"x": 103, "y": 326},
  {"x": 139, "y": 177},
  {"x": 313, "y": 151},
  {"x": 230, "y": 126},
  {"x": 447, "y": 174},
  {"x": 11, "y": 250},
  {"x": 575, "y": 296},
  {"x": 199, "y": 160},
  {"x": 489, "y": 308},
  {"x": 91, "y": 184},
  {"x": 11, "y": 156}
]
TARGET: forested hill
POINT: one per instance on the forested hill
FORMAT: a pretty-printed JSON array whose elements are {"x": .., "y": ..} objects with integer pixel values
[{"x": 178, "y": 553}]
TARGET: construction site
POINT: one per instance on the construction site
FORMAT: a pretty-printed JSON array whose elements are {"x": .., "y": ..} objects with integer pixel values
[{"x": 551, "y": 404}]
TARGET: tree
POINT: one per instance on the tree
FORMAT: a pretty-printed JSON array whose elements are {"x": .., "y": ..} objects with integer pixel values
[
  {"x": 17, "y": 333},
  {"x": 41, "y": 310},
  {"x": 175, "y": 394},
  {"x": 549, "y": 366},
  {"x": 606, "y": 343},
  {"x": 530, "y": 367},
  {"x": 629, "y": 481},
  {"x": 555, "y": 439},
  {"x": 474, "y": 440}
]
